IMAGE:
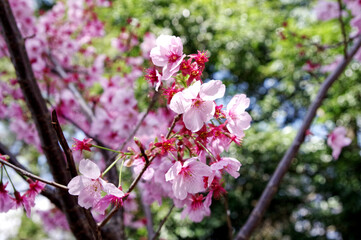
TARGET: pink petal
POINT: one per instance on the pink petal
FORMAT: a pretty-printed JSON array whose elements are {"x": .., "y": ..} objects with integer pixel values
[
  {"x": 212, "y": 90},
  {"x": 195, "y": 117},
  {"x": 157, "y": 58},
  {"x": 179, "y": 104},
  {"x": 192, "y": 91},
  {"x": 89, "y": 169},
  {"x": 238, "y": 104},
  {"x": 173, "y": 171},
  {"x": 113, "y": 190},
  {"x": 193, "y": 120},
  {"x": 76, "y": 185}
]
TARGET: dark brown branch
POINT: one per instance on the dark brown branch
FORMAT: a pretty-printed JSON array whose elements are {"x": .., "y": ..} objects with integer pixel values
[
  {"x": 32, "y": 176},
  {"x": 162, "y": 223},
  {"x": 47, "y": 191},
  {"x": 283, "y": 166},
  {"x": 343, "y": 30},
  {"x": 80, "y": 221},
  {"x": 64, "y": 144}
]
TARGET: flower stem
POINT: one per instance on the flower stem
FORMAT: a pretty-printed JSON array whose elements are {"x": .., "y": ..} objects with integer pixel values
[
  {"x": 108, "y": 149},
  {"x": 120, "y": 173},
  {"x": 7, "y": 174},
  {"x": 112, "y": 165},
  {"x": 209, "y": 152}
]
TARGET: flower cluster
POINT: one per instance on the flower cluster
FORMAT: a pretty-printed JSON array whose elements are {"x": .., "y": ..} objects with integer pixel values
[
  {"x": 89, "y": 188},
  {"x": 26, "y": 200}
]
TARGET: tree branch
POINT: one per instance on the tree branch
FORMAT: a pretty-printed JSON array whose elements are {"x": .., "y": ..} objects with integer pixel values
[
  {"x": 68, "y": 153},
  {"x": 283, "y": 166},
  {"x": 61, "y": 73},
  {"x": 80, "y": 221},
  {"x": 343, "y": 30},
  {"x": 162, "y": 223},
  {"x": 32, "y": 176}
]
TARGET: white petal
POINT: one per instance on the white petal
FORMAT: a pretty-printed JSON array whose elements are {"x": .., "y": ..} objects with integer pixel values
[
  {"x": 157, "y": 58},
  {"x": 193, "y": 119},
  {"x": 75, "y": 185},
  {"x": 192, "y": 91},
  {"x": 179, "y": 104},
  {"x": 238, "y": 104},
  {"x": 89, "y": 169},
  {"x": 212, "y": 90},
  {"x": 113, "y": 190}
]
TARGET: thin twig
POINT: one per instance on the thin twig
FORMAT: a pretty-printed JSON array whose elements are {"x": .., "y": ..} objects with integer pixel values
[
  {"x": 136, "y": 180},
  {"x": 283, "y": 166},
  {"x": 64, "y": 144},
  {"x": 48, "y": 192},
  {"x": 32, "y": 176},
  {"x": 343, "y": 30},
  {"x": 61, "y": 73},
  {"x": 162, "y": 223}
]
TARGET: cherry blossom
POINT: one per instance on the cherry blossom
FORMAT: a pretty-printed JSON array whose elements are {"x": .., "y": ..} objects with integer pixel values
[
  {"x": 114, "y": 196},
  {"x": 34, "y": 188},
  {"x": 197, "y": 207},
  {"x": 168, "y": 54},
  {"x": 230, "y": 165},
  {"x": 82, "y": 145},
  {"x": 187, "y": 177},
  {"x": 89, "y": 186},
  {"x": 237, "y": 118},
  {"x": 6, "y": 202},
  {"x": 196, "y": 103},
  {"x": 25, "y": 201},
  {"x": 337, "y": 140}
]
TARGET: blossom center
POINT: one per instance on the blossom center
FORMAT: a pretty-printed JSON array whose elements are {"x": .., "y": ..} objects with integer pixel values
[
  {"x": 197, "y": 202},
  {"x": 185, "y": 171},
  {"x": 173, "y": 57},
  {"x": 197, "y": 102}
]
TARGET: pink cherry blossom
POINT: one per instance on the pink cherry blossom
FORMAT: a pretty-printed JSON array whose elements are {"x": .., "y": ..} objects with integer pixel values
[
  {"x": 6, "y": 203},
  {"x": 114, "y": 196},
  {"x": 168, "y": 54},
  {"x": 337, "y": 140},
  {"x": 198, "y": 207},
  {"x": 196, "y": 103},
  {"x": 188, "y": 177},
  {"x": 34, "y": 188},
  {"x": 25, "y": 201},
  {"x": 82, "y": 145},
  {"x": 230, "y": 165},
  {"x": 237, "y": 118},
  {"x": 89, "y": 186}
]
